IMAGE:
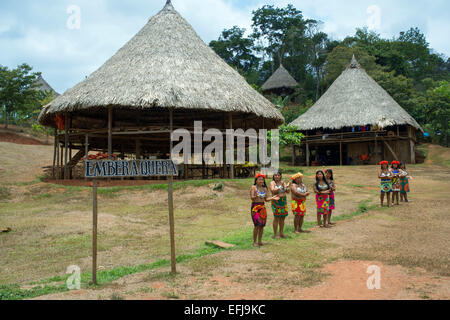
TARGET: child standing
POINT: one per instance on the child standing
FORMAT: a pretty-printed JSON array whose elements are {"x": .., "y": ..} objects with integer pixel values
[
  {"x": 330, "y": 179},
  {"x": 404, "y": 183},
  {"x": 395, "y": 181},
  {"x": 385, "y": 177},
  {"x": 298, "y": 194},
  {"x": 279, "y": 207},
  {"x": 259, "y": 195},
  {"x": 322, "y": 189}
]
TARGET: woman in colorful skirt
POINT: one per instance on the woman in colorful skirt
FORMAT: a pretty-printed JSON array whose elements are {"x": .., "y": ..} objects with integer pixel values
[
  {"x": 330, "y": 179},
  {"x": 385, "y": 177},
  {"x": 404, "y": 183},
  {"x": 395, "y": 181},
  {"x": 298, "y": 203},
  {"x": 259, "y": 195},
  {"x": 279, "y": 207},
  {"x": 322, "y": 189}
]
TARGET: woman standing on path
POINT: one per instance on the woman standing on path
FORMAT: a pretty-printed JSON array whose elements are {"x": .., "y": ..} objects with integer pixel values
[
  {"x": 322, "y": 189},
  {"x": 279, "y": 207},
  {"x": 259, "y": 195},
  {"x": 298, "y": 194},
  {"x": 404, "y": 183},
  {"x": 386, "y": 182},
  {"x": 330, "y": 179},
  {"x": 395, "y": 181}
]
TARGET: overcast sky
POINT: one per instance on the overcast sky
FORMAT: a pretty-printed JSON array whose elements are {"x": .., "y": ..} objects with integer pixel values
[{"x": 44, "y": 33}]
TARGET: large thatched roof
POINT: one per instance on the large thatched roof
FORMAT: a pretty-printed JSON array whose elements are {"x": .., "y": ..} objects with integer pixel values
[
  {"x": 165, "y": 65},
  {"x": 280, "y": 79},
  {"x": 354, "y": 99}
]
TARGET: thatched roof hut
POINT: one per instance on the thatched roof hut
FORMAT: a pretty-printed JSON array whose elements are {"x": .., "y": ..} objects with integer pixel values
[
  {"x": 165, "y": 65},
  {"x": 164, "y": 72},
  {"x": 356, "y": 121},
  {"x": 42, "y": 85},
  {"x": 354, "y": 99},
  {"x": 280, "y": 80}
]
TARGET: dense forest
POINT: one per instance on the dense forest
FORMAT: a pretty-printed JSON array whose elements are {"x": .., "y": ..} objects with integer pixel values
[
  {"x": 415, "y": 76},
  {"x": 405, "y": 66}
]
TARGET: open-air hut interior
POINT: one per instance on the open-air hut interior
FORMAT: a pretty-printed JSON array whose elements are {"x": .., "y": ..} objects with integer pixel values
[
  {"x": 355, "y": 122},
  {"x": 280, "y": 83},
  {"x": 164, "y": 78}
]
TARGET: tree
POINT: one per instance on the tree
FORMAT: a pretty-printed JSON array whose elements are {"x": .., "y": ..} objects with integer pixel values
[
  {"x": 236, "y": 50},
  {"x": 17, "y": 92},
  {"x": 318, "y": 45},
  {"x": 339, "y": 59},
  {"x": 280, "y": 33},
  {"x": 437, "y": 112}
]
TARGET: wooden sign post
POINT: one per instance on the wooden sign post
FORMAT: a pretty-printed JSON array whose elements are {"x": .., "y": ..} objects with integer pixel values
[
  {"x": 94, "y": 233},
  {"x": 133, "y": 168}
]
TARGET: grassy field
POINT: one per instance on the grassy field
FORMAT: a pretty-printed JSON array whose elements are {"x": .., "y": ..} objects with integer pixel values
[{"x": 51, "y": 229}]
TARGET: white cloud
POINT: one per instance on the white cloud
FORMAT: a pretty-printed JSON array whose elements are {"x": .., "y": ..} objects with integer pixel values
[{"x": 35, "y": 31}]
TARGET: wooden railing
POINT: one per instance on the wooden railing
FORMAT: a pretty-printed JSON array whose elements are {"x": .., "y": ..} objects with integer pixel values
[{"x": 354, "y": 136}]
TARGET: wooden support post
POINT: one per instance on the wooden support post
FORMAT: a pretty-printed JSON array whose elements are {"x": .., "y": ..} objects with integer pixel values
[
  {"x": 70, "y": 151},
  {"x": 412, "y": 151},
  {"x": 230, "y": 126},
  {"x": 66, "y": 144},
  {"x": 307, "y": 154},
  {"x": 340, "y": 153},
  {"x": 55, "y": 146},
  {"x": 61, "y": 173},
  {"x": 86, "y": 150},
  {"x": 138, "y": 148},
  {"x": 170, "y": 200},
  {"x": 376, "y": 149},
  {"x": 122, "y": 155},
  {"x": 58, "y": 170},
  {"x": 110, "y": 113},
  {"x": 109, "y": 133},
  {"x": 138, "y": 154},
  {"x": 224, "y": 165},
  {"x": 94, "y": 232}
]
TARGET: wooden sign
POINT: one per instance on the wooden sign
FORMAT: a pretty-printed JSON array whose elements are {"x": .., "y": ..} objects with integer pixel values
[{"x": 129, "y": 168}]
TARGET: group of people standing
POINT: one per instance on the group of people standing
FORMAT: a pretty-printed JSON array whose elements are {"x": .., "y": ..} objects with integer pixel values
[
  {"x": 324, "y": 189},
  {"x": 394, "y": 181}
]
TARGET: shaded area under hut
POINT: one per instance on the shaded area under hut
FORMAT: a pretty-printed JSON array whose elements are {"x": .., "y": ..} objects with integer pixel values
[
  {"x": 163, "y": 79},
  {"x": 356, "y": 122}
]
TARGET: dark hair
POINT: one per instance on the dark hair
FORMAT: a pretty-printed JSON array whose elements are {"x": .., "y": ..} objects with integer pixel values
[
  {"x": 264, "y": 184},
  {"x": 402, "y": 164},
  {"x": 392, "y": 166},
  {"x": 278, "y": 172},
  {"x": 324, "y": 179},
  {"x": 331, "y": 172}
]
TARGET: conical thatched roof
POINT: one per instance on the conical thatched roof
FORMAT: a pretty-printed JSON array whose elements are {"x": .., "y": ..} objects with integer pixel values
[
  {"x": 354, "y": 99},
  {"x": 280, "y": 79},
  {"x": 165, "y": 65},
  {"x": 43, "y": 85}
]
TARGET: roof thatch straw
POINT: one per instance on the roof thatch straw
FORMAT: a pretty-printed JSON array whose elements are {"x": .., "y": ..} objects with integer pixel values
[
  {"x": 42, "y": 85},
  {"x": 280, "y": 79},
  {"x": 354, "y": 99},
  {"x": 165, "y": 65}
]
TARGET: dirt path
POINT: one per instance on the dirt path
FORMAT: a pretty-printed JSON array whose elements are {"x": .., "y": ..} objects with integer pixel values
[{"x": 407, "y": 242}]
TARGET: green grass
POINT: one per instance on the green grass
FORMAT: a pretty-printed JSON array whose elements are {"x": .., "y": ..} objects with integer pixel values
[
  {"x": 241, "y": 240},
  {"x": 5, "y": 194},
  {"x": 14, "y": 292}
]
